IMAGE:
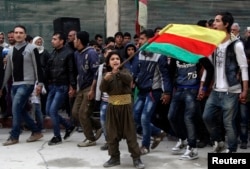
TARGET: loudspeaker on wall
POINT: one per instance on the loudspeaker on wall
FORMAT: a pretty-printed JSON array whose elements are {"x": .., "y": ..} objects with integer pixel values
[{"x": 65, "y": 24}]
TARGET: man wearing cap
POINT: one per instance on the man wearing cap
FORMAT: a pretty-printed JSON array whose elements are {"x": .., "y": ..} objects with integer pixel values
[{"x": 87, "y": 62}]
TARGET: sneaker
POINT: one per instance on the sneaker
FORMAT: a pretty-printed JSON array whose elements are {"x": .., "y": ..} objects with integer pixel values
[
  {"x": 179, "y": 147},
  {"x": 104, "y": 147},
  {"x": 158, "y": 139},
  {"x": 69, "y": 132},
  {"x": 55, "y": 140},
  {"x": 243, "y": 145},
  {"x": 144, "y": 150},
  {"x": 113, "y": 161},
  {"x": 34, "y": 137},
  {"x": 98, "y": 133},
  {"x": 228, "y": 151},
  {"x": 139, "y": 136},
  {"x": 10, "y": 141},
  {"x": 138, "y": 164},
  {"x": 190, "y": 154},
  {"x": 218, "y": 147},
  {"x": 47, "y": 117},
  {"x": 86, "y": 143}
]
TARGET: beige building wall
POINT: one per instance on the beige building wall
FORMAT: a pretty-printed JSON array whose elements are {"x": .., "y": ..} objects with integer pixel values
[{"x": 112, "y": 17}]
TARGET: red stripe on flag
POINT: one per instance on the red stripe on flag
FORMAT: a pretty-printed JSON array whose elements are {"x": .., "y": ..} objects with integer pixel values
[
  {"x": 192, "y": 45},
  {"x": 144, "y": 1}
]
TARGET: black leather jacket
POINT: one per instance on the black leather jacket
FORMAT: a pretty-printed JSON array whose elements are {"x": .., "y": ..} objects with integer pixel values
[
  {"x": 44, "y": 57},
  {"x": 61, "y": 69}
]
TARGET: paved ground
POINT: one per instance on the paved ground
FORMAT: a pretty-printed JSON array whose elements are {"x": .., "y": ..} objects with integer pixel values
[{"x": 38, "y": 155}]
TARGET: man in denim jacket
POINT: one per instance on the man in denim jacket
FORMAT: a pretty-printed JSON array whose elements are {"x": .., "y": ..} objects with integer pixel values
[{"x": 229, "y": 60}]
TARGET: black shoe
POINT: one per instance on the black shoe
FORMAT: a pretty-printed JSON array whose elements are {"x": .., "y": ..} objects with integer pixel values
[
  {"x": 69, "y": 132},
  {"x": 104, "y": 147},
  {"x": 98, "y": 133},
  {"x": 138, "y": 164},
  {"x": 158, "y": 139},
  {"x": 113, "y": 161},
  {"x": 201, "y": 144},
  {"x": 55, "y": 140},
  {"x": 243, "y": 145}
]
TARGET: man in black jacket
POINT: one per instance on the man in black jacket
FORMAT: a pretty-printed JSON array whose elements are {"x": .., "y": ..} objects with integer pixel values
[{"x": 62, "y": 81}]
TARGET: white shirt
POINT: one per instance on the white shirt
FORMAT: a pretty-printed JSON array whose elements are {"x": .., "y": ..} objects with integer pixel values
[
  {"x": 220, "y": 76},
  {"x": 220, "y": 80}
]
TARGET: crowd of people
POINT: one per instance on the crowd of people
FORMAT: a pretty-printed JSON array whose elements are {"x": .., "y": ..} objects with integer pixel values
[{"x": 128, "y": 86}]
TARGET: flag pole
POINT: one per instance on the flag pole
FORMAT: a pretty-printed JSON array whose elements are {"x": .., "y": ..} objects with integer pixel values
[{"x": 146, "y": 44}]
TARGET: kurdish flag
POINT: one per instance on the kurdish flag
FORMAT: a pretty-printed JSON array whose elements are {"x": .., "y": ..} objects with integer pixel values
[
  {"x": 188, "y": 43},
  {"x": 141, "y": 15}
]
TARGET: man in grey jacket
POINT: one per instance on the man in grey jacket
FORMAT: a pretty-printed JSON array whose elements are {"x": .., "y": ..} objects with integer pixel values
[{"x": 24, "y": 66}]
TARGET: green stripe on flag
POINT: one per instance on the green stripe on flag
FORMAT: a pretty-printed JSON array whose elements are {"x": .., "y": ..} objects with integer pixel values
[{"x": 173, "y": 51}]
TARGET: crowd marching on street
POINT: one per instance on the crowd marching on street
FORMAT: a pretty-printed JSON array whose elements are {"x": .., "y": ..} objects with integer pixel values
[{"x": 200, "y": 104}]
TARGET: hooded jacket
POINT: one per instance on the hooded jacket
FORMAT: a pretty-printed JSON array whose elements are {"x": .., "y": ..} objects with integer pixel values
[
  {"x": 132, "y": 62},
  {"x": 152, "y": 73},
  {"x": 87, "y": 62}
]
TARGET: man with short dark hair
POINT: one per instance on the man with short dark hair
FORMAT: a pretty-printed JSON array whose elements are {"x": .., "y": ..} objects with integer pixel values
[
  {"x": 70, "y": 39},
  {"x": 230, "y": 63},
  {"x": 99, "y": 39},
  {"x": 119, "y": 43},
  {"x": 87, "y": 62},
  {"x": 136, "y": 41},
  {"x": 24, "y": 65},
  {"x": 153, "y": 81},
  {"x": 110, "y": 42},
  {"x": 11, "y": 38},
  {"x": 2, "y": 42},
  {"x": 126, "y": 38},
  {"x": 61, "y": 82}
]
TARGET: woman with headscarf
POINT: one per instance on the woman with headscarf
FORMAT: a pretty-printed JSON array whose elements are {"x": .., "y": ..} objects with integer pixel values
[{"x": 44, "y": 57}]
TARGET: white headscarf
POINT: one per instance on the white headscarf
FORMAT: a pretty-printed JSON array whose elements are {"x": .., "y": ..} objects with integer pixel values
[{"x": 40, "y": 48}]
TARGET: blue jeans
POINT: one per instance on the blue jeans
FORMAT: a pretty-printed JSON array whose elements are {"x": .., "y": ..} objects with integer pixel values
[
  {"x": 222, "y": 104},
  {"x": 36, "y": 108},
  {"x": 243, "y": 121},
  {"x": 144, "y": 107},
  {"x": 103, "y": 109},
  {"x": 20, "y": 95},
  {"x": 56, "y": 97},
  {"x": 186, "y": 99}
]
